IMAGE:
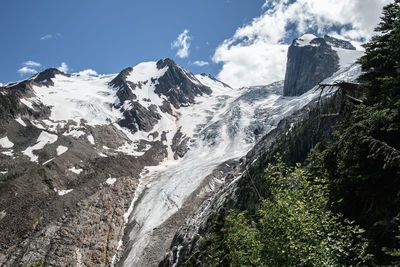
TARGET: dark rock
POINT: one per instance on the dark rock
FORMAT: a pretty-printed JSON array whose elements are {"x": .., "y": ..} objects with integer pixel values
[
  {"x": 166, "y": 107},
  {"x": 45, "y": 77},
  {"x": 179, "y": 144},
  {"x": 139, "y": 118},
  {"x": 332, "y": 41},
  {"x": 124, "y": 87},
  {"x": 42, "y": 78},
  {"x": 308, "y": 65},
  {"x": 179, "y": 85}
]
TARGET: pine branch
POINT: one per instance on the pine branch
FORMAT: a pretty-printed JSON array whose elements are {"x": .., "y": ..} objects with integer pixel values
[{"x": 379, "y": 148}]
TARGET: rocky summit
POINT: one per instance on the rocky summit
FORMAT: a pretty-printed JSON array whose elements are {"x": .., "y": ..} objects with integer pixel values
[
  {"x": 311, "y": 60},
  {"x": 120, "y": 169}
]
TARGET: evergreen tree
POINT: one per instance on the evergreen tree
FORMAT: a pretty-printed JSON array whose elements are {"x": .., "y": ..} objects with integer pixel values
[{"x": 381, "y": 62}]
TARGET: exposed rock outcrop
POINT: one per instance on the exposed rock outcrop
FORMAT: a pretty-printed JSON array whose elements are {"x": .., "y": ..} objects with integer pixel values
[
  {"x": 179, "y": 85},
  {"x": 335, "y": 42},
  {"x": 309, "y": 62}
]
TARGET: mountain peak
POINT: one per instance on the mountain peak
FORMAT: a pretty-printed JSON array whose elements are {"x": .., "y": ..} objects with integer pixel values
[
  {"x": 162, "y": 63},
  {"x": 44, "y": 77},
  {"x": 305, "y": 40}
]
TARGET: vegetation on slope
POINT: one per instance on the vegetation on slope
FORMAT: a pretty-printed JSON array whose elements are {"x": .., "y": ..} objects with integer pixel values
[{"x": 340, "y": 210}]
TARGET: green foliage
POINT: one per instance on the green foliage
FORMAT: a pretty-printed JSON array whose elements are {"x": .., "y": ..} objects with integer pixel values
[
  {"x": 381, "y": 62},
  {"x": 293, "y": 227},
  {"x": 291, "y": 216},
  {"x": 394, "y": 252},
  {"x": 39, "y": 263},
  {"x": 362, "y": 164},
  {"x": 293, "y": 147}
]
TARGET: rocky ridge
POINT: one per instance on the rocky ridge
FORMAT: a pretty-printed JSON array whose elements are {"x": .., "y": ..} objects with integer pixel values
[{"x": 310, "y": 60}]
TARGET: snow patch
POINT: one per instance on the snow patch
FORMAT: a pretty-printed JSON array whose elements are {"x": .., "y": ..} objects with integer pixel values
[
  {"x": 6, "y": 143},
  {"x": 347, "y": 57},
  {"x": 305, "y": 40},
  {"x": 111, "y": 181},
  {"x": 43, "y": 139},
  {"x": 63, "y": 192},
  {"x": 50, "y": 160},
  {"x": 61, "y": 150},
  {"x": 20, "y": 121},
  {"x": 91, "y": 139},
  {"x": 102, "y": 155},
  {"x": 27, "y": 103},
  {"x": 9, "y": 153},
  {"x": 74, "y": 133},
  {"x": 75, "y": 170}
]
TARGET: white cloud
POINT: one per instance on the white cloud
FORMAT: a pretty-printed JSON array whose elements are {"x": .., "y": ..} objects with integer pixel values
[
  {"x": 182, "y": 43},
  {"x": 88, "y": 72},
  {"x": 199, "y": 63},
  {"x": 46, "y": 37},
  {"x": 29, "y": 67},
  {"x": 26, "y": 70},
  {"x": 63, "y": 67},
  {"x": 31, "y": 63},
  {"x": 256, "y": 53}
]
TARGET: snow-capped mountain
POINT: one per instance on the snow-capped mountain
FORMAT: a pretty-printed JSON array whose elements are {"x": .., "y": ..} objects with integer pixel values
[
  {"x": 312, "y": 59},
  {"x": 100, "y": 169}
]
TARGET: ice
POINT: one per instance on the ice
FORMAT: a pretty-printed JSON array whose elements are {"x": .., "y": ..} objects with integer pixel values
[
  {"x": 43, "y": 139},
  {"x": 305, "y": 40},
  {"x": 221, "y": 129},
  {"x": 6, "y": 143},
  {"x": 347, "y": 57},
  {"x": 79, "y": 97},
  {"x": 75, "y": 170},
  {"x": 61, "y": 150}
]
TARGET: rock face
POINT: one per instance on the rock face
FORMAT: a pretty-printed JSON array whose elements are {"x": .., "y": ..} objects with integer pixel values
[
  {"x": 179, "y": 85},
  {"x": 332, "y": 41},
  {"x": 310, "y": 60},
  {"x": 67, "y": 182},
  {"x": 176, "y": 87}
]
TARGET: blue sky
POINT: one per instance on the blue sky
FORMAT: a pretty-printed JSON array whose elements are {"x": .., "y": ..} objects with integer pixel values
[
  {"x": 108, "y": 36},
  {"x": 243, "y": 42}
]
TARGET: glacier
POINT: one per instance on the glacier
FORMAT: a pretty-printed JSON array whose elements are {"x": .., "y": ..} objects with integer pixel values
[{"x": 223, "y": 128}]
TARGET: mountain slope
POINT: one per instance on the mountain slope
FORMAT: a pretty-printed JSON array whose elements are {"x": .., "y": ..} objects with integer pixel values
[{"x": 96, "y": 169}]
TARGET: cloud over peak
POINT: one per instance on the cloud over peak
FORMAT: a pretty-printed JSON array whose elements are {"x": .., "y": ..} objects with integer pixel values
[
  {"x": 31, "y": 63},
  {"x": 29, "y": 67},
  {"x": 256, "y": 53},
  {"x": 182, "y": 43},
  {"x": 63, "y": 67},
  {"x": 26, "y": 70},
  {"x": 199, "y": 63}
]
